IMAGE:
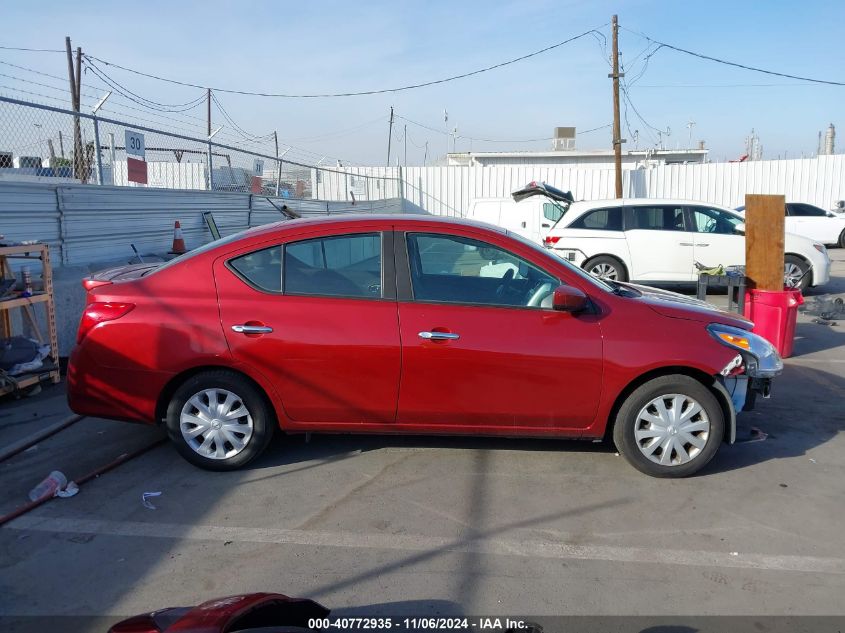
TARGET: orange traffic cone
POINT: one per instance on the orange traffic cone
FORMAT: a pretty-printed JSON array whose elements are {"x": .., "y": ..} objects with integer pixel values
[{"x": 178, "y": 240}]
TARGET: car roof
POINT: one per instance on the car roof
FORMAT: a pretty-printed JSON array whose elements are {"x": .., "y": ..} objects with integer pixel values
[
  {"x": 630, "y": 202},
  {"x": 351, "y": 219}
]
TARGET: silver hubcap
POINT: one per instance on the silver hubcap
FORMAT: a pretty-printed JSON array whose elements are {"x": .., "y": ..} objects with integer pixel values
[
  {"x": 604, "y": 271},
  {"x": 792, "y": 273},
  {"x": 672, "y": 429},
  {"x": 216, "y": 423}
]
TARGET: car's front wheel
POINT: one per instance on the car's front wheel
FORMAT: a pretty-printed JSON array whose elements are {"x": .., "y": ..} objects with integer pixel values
[
  {"x": 219, "y": 420},
  {"x": 670, "y": 426},
  {"x": 796, "y": 272}
]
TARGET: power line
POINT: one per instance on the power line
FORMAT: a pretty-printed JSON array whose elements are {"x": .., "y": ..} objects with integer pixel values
[
  {"x": 244, "y": 133},
  {"x": 352, "y": 94},
  {"x": 734, "y": 64},
  {"x": 153, "y": 105},
  {"x": 32, "y": 50}
]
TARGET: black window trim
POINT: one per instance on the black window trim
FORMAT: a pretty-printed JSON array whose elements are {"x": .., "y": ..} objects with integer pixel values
[
  {"x": 388, "y": 268},
  {"x": 404, "y": 285}
]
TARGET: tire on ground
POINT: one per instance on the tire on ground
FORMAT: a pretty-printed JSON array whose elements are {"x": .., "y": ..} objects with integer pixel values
[
  {"x": 263, "y": 419},
  {"x": 626, "y": 421},
  {"x": 804, "y": 267},
  {"x": 607, "y": 260}
]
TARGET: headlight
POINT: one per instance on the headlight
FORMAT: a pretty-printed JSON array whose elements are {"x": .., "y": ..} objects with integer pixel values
[{"x": 761, "y": 358}]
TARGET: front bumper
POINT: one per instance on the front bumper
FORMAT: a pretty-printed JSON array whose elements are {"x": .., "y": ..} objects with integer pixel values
[{"x": 820, "y": 263}]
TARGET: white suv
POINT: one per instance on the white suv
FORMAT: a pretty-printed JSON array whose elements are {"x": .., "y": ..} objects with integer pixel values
[{"x": 658, "y": 241}]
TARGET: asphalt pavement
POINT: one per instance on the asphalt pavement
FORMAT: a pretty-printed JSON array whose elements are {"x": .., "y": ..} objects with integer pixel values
[{"x": 423, "y": 526}]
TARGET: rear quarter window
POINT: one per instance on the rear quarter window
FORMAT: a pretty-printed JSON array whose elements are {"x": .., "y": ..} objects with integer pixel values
[
  {"x": 609, "y": 219},
  {"x": 261, "y": 269}
]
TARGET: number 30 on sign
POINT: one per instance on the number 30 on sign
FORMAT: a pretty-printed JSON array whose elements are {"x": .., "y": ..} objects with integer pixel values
[{"x": 135, "y": 144}]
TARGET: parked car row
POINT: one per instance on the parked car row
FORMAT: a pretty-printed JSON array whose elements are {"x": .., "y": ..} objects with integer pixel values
[
  {"x": 655, "y": 241},
  {"x": 813, "y": 223}
]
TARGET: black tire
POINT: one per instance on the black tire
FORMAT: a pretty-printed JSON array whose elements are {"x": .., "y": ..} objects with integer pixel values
[
  {"x": 250, "y": 397},
  {"x": 607, "y": 261},
  {"x": 842, "y": 239},
  {"x": 627, "y": 420},
  {"x": 807, "y": 279}
]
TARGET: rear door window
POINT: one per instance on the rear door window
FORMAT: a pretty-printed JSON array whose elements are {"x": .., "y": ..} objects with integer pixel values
[
  {"x": 656, "y": 218},
  {"x": 609, "y": 219},
  {"x": 336, "y": 266}
]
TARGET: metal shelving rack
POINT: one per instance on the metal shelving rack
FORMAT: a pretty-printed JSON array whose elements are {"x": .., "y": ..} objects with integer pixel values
[{"x": 44, "y": 297}]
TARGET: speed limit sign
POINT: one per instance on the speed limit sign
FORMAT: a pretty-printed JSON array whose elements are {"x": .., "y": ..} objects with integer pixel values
[{"x": 135, "y": 144}]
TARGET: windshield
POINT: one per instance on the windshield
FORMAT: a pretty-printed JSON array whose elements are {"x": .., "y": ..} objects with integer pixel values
[{"x": 595, "y": 281}]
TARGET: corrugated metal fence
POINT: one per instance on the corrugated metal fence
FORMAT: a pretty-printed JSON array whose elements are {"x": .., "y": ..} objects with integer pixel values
[
  {"x": 449, "y": 190},
  {"x": 85, "y": 224}
]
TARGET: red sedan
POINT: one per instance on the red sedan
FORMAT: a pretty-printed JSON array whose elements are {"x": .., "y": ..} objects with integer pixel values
[{"x": 409, "y": 324}]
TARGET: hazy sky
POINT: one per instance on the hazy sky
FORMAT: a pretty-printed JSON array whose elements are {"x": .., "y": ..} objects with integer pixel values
[{"x": 307, "y": 47}]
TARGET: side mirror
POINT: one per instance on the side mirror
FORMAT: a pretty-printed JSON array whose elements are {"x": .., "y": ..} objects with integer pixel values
[
  {"x": 569, "y": 299},
  {"x": 739, "y": 229}
]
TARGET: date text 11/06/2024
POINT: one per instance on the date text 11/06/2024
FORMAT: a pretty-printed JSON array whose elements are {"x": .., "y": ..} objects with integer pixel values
[{"x": 504, "y": 625}]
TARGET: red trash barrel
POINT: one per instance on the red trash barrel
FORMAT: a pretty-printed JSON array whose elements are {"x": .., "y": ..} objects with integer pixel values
[{"x": 774, "y": 314}]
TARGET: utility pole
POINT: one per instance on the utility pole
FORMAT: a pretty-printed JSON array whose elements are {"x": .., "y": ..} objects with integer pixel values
[
  {"x": 389, "y": 136},
  {"x": 425, "y": 156},
  {"x": 617, "y": 132},
  {"x": 208, "y": 100},
  {"x": 61, "y": 144},
  {"x": 405, "y": 137},
  {"x": 278, "y": 163},
  {"x": 75, "y": 78}
]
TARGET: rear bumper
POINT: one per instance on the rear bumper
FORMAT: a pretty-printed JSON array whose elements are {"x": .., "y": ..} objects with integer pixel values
[{"x": 106, "y": 392}]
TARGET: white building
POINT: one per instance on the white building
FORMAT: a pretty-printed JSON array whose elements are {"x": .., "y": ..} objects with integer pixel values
[{"x": 596, "y": 159}]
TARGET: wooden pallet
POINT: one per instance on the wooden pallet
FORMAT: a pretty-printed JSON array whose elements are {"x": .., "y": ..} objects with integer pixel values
[{"x": 40, "y": 253}]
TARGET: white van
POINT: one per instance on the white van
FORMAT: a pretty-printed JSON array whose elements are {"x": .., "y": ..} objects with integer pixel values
[{"x": 530, "y": 212}]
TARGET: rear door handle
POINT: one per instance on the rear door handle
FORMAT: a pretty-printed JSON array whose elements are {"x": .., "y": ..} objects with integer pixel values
[
  {"x": 252, "y": 329},
  {"x": 686, "y": 243},
  {"x": 702, "y": 244},
  {"x": 439, "y": 336}
]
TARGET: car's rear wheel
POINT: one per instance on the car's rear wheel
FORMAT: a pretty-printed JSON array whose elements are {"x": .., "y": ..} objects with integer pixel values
[
  {"x": 842, "y": 239},
  {"x": 219, "y": 420},
  {"x": 670, "y": 426},
  {"x": 794, "y": 268},
  {"x": 606, "y": 267}
]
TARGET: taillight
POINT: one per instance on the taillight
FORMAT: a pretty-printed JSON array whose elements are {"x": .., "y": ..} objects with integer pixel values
[
  {"x": 551, "y": 240},
  {"x": 101, "y": 312}
]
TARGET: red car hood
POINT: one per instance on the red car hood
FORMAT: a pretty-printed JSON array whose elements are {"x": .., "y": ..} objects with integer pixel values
[{"x": 678, "y": 306}]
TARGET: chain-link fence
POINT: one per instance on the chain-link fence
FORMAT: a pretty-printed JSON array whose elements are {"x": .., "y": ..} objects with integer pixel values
[{"x": 45, "y": 142}]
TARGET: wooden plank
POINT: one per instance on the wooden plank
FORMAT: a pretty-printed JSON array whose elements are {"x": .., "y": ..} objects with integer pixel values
[
  {"x": 26, "y": 249},
  {"x": 6, "y": 304},
  {"x": 764, "y": 233}
]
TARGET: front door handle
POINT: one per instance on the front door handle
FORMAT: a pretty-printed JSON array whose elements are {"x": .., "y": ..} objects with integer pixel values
[
  {"x": 252, "y": 329},
  {"x": 439, "y": 336},
  {"x": 702, "y": 244},
  {"x": 686, "y": 243}
]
